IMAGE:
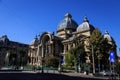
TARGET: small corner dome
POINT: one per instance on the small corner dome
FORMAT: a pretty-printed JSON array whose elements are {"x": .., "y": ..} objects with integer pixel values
[
  {"x": 67, "y": 22},
  {"x": 34, "y": 42},
  {"x": 107, "y": 36},
  {"x": 85, "y": 26}
]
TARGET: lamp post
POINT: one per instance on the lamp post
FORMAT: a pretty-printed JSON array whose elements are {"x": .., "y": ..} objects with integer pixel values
[
  {"x": 59, "y": 66},
  {"x": 79, "y": 69},
  {"x": 98, "y": 64},
  {"x": 93, "y": 60},
  {"x": 42, "y": 65},
  {"x": 42, "y": 62}
]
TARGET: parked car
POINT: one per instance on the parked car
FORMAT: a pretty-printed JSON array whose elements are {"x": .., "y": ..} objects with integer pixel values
[
  {"x": 108, "y": 73},
  {"x": 8, "y": 68}
]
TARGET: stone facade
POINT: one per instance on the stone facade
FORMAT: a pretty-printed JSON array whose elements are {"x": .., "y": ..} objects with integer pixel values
[
  {"x": 69, "y": 34},
  {"x": 9, "y": 50}
]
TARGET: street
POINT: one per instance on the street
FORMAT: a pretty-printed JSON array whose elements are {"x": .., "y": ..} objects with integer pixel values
[{"x": 31, "y": 75}]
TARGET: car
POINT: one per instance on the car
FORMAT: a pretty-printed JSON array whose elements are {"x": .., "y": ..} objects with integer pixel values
[
  {"x": 108, "y": 73},
  {"x": 105, "y": 73}
]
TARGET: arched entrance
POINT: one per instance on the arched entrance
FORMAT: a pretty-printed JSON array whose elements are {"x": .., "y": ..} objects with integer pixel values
[{"x": 46, "y": 44}]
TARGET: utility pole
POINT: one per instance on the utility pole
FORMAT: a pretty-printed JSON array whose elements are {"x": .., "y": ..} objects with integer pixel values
[{"x": 93, "y": 60}]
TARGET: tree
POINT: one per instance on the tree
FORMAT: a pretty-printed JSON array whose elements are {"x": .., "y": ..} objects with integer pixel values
[
  {"x": 101, "y": 48},
  {"x": 96, "y": 41},
  {"x": 22, "y": 56},
  {"x": 107, "y": 48},
  {"x": 75, "y": 56},
  {"x": 69, "y": 58},
  {"x": 11, "y": 58},
  {"x": 51, "y": 61}
]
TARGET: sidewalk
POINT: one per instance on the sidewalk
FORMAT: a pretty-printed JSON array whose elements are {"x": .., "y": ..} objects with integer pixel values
[{"x": 82, "y": 75}]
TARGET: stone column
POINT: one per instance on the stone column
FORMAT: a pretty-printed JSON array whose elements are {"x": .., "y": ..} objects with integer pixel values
[
  {"x": 73, "y": 44},
  {"x": 37, "y": 54},
  {"x": 42, "y": 55},
  {"x": 40, "y": 51},
  {"x": 52, "y": 48},
  {"x": 69, "y": 46},
  {"x": 64, "y": 48}
]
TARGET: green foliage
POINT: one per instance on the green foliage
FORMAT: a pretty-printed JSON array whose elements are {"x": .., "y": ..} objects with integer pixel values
[
  {"x": 107, "y": 47},
  {"x": 81, "y": 53},
  {"x": 101, "y": 48},
  {"x": 51, "y": 61},
  {"x": 69, "y": 58},
  {"x": 22, "y": 56},
  {"x": 96, "y": 40},
  {"x": 67, "y": 67},
  {"x": 86, "y": 67},
  {"x": 75, "y": 55},
  {"x": 13, "y": 59}
]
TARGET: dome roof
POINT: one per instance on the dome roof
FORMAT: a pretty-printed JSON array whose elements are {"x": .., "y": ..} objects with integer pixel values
[
  {"x": 107, "y": 36},
  {"x": 67, "y": 22},
  {"x": 85, "y": 26},
  {"x": 34, "y": 42}
]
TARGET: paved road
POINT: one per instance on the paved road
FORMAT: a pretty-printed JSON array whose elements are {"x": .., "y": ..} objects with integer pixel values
[{"x": 30, "y": 75}]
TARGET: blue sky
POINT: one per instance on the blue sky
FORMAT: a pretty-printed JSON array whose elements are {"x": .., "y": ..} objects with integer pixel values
[{"x": 21, "y": 20}]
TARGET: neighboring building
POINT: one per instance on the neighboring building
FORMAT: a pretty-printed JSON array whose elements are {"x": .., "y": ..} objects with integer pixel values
[
  {"x": 69, "y": 34},
  {"x": 9, "y": 50}
]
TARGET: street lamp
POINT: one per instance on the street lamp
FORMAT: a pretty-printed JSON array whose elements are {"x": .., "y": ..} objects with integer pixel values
[
  {"x": 77, "y": 66},
  {"x": 79, "y": 69},
  {"x": 42, "y": 65},
  {"x": 59, "y": 66},
  {"x": 42, "y": 61},
  {"x": 93, "y": 60}
]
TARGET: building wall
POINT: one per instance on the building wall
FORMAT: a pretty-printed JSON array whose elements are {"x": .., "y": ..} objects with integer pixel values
[
  {"x": 7, "y": 48},
  {"x": 66, "y": 38}
]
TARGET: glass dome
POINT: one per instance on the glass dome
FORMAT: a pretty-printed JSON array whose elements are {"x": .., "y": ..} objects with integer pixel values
[
  {"x": 67, "y": 22},
  {"x": 107, "y": 36},
  {"x": 85, "y": 26}
]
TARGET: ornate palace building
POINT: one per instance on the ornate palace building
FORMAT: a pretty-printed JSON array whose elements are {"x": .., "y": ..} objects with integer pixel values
[{"x": 69, "y": 34}]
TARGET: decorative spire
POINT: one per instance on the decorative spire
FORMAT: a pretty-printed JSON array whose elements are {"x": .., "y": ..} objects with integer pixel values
[
  {"x": 36, "y": 37},
  {"x": 85, "y": 19},
  {"x": 106, "y": 32},
  {"x": 68, "y": 15}
]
